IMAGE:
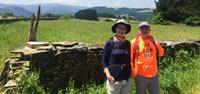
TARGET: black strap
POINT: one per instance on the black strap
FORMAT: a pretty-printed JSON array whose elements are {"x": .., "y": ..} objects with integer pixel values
[{"x": 157, "y": 58}]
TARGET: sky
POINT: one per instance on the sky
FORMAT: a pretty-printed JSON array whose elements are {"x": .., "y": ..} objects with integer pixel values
[{"x": 90, "y": 3}]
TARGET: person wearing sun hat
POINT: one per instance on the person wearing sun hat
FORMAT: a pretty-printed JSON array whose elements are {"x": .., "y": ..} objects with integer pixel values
[
  {"x": 116, "y": 60},
  {"x": 145, "y": 51}
]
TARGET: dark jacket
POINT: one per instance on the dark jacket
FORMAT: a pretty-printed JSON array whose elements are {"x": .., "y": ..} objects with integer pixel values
[{"x": 116, "y": 57}]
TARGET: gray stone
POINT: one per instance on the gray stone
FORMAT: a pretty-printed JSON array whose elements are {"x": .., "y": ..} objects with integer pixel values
[
  {"x": 61, "y": 48},
  {"x": 26, "y": 63},
  {"x": 64, "y": 44},
  {"x": 15, "y": 62},
  {"x": 10, "y": 83},
  {"x": 17, "y": 53},
  {"x": 5, "y": 72},
  {"x": 45, "y": 48},
  {"x": 30, "y": 51},
  {"x": 34, "y": 45}
]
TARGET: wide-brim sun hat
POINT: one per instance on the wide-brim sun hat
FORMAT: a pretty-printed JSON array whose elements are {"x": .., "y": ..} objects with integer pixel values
[{"x": 121, "y": 21}]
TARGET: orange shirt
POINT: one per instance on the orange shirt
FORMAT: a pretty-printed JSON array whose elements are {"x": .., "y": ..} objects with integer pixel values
[{"x": 144, "y": 59}]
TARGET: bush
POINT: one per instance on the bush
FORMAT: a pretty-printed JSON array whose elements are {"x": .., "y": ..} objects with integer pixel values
[
  {"x": 66, "y": 16},
  {"x": 5, "y": 15},
  {"x": 108, "y": 20},
  {"x": 30, "y": 84},
  {"x": 180, "y": 75},
  {"x": 193, "y": 21},
  {"x": 158, "y": 19}
]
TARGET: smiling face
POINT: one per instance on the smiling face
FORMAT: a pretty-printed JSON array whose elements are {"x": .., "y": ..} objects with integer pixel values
[
  {"x": 145, "y": 30},
  {"x": 121, "y": 29}
]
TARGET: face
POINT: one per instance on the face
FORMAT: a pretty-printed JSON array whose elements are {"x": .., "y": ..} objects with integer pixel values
[
  {"x": 121, "y": 29},
  {"x": 145, "y": 30}
]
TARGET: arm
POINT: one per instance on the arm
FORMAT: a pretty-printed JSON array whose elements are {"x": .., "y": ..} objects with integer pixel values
[
  {"x": 105, "y": 61},
  {"x": 106, "y": 55},
  {"x": 158, "y": 46},
  {"x": 160, "y": 50}
]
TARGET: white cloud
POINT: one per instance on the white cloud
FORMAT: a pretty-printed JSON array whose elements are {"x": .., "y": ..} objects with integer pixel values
[
  {"x": 118, "y": 3},
  {"x": 89, "y": 3},
  {"x": 66, "y": 1},
  {"x": 38, "y": 1}
]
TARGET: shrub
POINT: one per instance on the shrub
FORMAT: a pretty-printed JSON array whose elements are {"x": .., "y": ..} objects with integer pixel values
[
  {"x": 193, "y": 21},
  {"x": 158, "y": 19},
  {"x": 30, "y": 84},
  {"x": 180, "y": 75},
  {"x": 66, "y": 16},
  {"x": 108, "y": 20}
]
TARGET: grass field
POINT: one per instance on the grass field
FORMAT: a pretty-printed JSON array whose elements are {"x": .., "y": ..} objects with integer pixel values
[{"x": 14, "y": 35}]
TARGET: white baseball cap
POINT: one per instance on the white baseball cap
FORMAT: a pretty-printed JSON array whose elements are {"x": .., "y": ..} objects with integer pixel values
[{"x": 143, "y": 24}]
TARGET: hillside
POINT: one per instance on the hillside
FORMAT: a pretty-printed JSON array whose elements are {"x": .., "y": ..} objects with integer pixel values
[
  {"x": 16, "y": 10},
  {"x": 139, "y": 14},
  {"x": 26, "y": 10}
]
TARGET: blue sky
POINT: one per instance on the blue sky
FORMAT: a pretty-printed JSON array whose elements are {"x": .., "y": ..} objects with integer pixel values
[{"x": 90, "y": 3}]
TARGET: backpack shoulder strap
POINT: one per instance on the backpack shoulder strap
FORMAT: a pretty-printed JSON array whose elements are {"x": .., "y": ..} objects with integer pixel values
[
  {"x": 112, "y": 42},
  {"x": 137, "y": 40},
  {"x": 136, "y": 46},
  {"x": 154, "y": 43}
]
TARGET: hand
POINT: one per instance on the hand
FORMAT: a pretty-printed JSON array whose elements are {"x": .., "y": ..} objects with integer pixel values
[
  {"x": 111, "y": 79},
  {"x": 153, "y": 38}
]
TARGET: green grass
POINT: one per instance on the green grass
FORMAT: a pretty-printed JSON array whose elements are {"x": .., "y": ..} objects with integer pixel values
[{"x": 14, "y": 35}]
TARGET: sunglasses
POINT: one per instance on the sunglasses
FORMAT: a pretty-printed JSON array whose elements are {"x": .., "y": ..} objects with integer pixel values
[{"x": 145, "y": 28}]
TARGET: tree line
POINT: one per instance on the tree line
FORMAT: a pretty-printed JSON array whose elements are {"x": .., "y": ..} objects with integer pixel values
[
  {"x": 91, "y": 14},
  {"x": 178, "y": 11}
]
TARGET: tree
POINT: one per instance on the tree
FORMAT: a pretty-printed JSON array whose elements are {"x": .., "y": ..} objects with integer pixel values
[
  {"x": 5, "y": 15},
  {"x": 87, "y": 14},
  {"x": 177, "y": 10}
]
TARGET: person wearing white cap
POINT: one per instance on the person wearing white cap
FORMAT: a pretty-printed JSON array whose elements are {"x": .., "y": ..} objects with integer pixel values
[
  {"x": 116, "y": 60},
  {"x": 145, "y": 51}
]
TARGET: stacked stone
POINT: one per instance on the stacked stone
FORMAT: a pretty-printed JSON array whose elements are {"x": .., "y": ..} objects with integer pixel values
[
  {"x": 77, "y": 64},
  {"x": 94, "y": 60},
  {"x": 174, "y": 46},
  {"x": 13, "y": 68}
]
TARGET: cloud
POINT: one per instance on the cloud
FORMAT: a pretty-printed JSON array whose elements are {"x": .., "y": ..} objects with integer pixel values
[
  {"x": 118, "y": 3},
  {"x": 38, "y": 1},
  {"x": 90, "y": 3},
  {"x": 67, "y": 1}
]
